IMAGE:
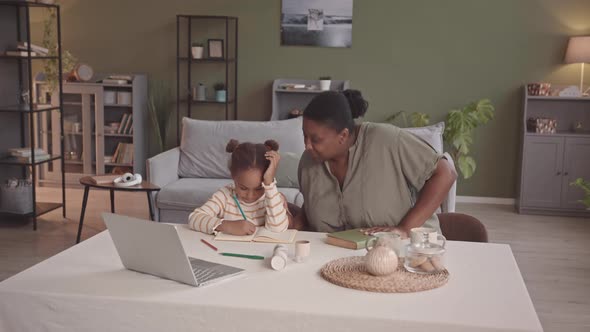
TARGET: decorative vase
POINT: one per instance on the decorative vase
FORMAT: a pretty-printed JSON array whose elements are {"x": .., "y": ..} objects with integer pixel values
[
  {"x": 201, "y": 92},
  {"x": 197, "y": 52},
  {"x": 381, "y": 261},
  {"x": 220, "y": 95},
  {"x": 325, "y": 85}
]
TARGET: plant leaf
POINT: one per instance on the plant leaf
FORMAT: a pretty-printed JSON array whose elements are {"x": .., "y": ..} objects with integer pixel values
[{"x": 467, "y": 166}]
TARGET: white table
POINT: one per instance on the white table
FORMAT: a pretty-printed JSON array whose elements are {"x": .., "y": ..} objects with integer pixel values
[{"x": 86, "y": 288}]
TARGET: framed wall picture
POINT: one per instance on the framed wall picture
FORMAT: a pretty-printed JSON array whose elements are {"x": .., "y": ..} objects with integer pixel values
[
  {"x": 215, "y": 47},
  {"x": 323, "y": 23}
]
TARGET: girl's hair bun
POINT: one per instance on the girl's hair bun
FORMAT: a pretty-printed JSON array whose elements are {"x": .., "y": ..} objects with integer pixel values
[
  {"x": 231, "y": 145},
  {"x": 271, "y": 144}
]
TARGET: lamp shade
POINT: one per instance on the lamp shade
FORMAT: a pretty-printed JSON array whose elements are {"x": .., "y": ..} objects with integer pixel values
[{"x": 578, "y": 50}]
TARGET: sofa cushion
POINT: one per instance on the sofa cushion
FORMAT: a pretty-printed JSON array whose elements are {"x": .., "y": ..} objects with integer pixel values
[
  {"x": 202, "y": 148},
  {"x": 286, "y": 174},
  {"x": 432, "y": 135},
  {"x": 190, "y": 193}
]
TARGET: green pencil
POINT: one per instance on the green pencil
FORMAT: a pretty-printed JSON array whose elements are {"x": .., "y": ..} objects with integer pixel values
[
  {"x": 241, "y": 255},
  {"x": 239, "y": 207}
]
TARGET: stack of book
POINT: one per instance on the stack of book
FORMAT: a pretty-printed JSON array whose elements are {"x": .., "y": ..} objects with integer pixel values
[
  {"x": 24, "y": 46},
  {"x": 123, "y": 154},
  {"x": 117, "y": 79},
  {"x": 24, "y": 155},
  {"x": 22, "y": 50}
]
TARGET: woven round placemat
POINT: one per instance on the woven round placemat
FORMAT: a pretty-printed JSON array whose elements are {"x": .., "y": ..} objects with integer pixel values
[{"x": 350, "y": 272}]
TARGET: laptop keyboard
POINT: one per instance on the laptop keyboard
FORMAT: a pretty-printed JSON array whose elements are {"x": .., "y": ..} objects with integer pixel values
[{"x": 205, "y": 271}]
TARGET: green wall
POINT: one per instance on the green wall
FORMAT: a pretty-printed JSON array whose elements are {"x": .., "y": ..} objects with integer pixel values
[{"x": 414, "y": 55}]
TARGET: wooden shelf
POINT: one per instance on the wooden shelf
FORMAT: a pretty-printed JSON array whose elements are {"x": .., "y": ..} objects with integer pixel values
[
  {"x": 117, "y": 105},
  {"x": 561, "y": 134},
  {"x": 313, "y": 91},
  {"x": 119, "y": 135},
  {"x": 113, "y": 85},
  {"x": 40, "y": 209},
  {"x": 27, "y": 4},
  {"x": 118, "y": 164},
  {"x": 557, "y": 98},
  {"x": 12, "y": 161},
  {"x": 27, "y": 109},
  {"x": 207, "y": 60},
  {"x": 24, "y": 57},
  {"x": 210, "y": 101}
]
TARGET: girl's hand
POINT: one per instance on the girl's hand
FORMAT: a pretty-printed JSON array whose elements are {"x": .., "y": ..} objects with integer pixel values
[
  {"x": 269, "y": 175},
  {"x": 402, "y": 232},
  {"x": 237, "y": 227}
]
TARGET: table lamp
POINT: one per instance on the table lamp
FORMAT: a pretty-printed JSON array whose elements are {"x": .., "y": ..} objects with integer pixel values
[{"x": 578, "y": 51}]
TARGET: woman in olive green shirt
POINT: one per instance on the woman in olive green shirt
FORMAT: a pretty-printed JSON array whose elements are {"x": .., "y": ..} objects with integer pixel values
[{"x": 361, "y": 175}]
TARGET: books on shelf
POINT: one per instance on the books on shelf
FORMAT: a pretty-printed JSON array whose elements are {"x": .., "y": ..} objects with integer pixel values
[
  {"x": 123, "y": 153},
  {"x": 24, "y": 46},
  {"x": 126, "y": 124},
  {"x": 261, "y": 235},
  {"x": 20, "y": 53}
]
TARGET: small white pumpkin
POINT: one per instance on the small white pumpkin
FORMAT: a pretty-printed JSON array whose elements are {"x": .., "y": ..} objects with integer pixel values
[{"x": 381, "y": 261}]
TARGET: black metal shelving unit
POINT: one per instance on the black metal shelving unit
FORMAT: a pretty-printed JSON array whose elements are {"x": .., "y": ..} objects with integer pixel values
[
  {"x": 184, "y": 100},
  {"x": 28, "y": 113}
]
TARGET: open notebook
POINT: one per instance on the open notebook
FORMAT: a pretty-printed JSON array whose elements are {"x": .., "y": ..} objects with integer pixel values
[{"x": 261, "y": 235}]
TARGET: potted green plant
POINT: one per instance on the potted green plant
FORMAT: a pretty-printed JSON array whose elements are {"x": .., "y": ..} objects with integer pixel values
[
  {"x": 325, "y": 82},
  {"x": 197, "y": 50},
  {"x": 585, "y": 186},
  {"x": 459, "y": 128},
  {"x": 51, "y": 66},
  {"x": 220, "y": 92}
]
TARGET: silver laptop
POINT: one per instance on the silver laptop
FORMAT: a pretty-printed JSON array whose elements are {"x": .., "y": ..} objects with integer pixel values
[{"x": 154, "y": 248}]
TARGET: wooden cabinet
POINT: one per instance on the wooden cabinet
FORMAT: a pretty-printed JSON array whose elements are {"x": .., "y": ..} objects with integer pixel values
[
  {"x": 542, "y": 183},
  {"x": 576, "y": 164},
  {"x": 286, "y": 100},
  {"x": 550, "y": 162},
  {"x": 89, "y": 141}
]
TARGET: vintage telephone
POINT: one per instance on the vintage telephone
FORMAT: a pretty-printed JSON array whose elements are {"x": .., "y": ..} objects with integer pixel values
[{"x": 128, "y": 180}]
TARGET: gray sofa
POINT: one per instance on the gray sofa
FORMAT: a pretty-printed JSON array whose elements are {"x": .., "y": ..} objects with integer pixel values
[{"x": 191, "y": 173}]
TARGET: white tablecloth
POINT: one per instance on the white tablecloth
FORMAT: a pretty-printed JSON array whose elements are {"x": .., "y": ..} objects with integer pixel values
[{"x": 86, "y": 288}]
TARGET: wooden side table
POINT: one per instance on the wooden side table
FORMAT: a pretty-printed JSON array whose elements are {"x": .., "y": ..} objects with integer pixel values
[{"x": 87, "y": 182}]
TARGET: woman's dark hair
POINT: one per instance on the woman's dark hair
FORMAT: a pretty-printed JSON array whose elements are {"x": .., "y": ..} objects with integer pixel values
[
  {"x": 337, "y": 109},
  {"x": 247, "y": 155}
]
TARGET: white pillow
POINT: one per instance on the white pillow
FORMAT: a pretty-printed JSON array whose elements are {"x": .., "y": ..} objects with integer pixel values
[
  {"x": 432, "y": 135},
  {"x": 287, "y": 171}
]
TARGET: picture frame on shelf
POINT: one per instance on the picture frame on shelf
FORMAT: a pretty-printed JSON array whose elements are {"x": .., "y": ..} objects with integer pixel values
[{"x": 215, "y": 48}]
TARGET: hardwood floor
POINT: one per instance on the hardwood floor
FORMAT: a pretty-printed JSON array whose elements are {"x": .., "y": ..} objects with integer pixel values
[{"x": 553, "y": 253}]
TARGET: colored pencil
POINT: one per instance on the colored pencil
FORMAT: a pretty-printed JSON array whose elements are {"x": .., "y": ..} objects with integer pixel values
[
  {"x": 241, "y": 255},
  {"x": 240, "y": 207},
  {"x": 209, "y": 245}
]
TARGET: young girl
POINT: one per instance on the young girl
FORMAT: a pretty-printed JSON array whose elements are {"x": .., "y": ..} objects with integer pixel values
[{"x": 253, "y": 168}]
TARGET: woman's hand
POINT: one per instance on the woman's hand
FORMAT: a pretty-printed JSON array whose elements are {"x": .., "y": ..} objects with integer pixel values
[
  {"x": 236, "y": 227},
  {"x": 399, "y": 230},
  {"x": 269, "y": 175}
]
